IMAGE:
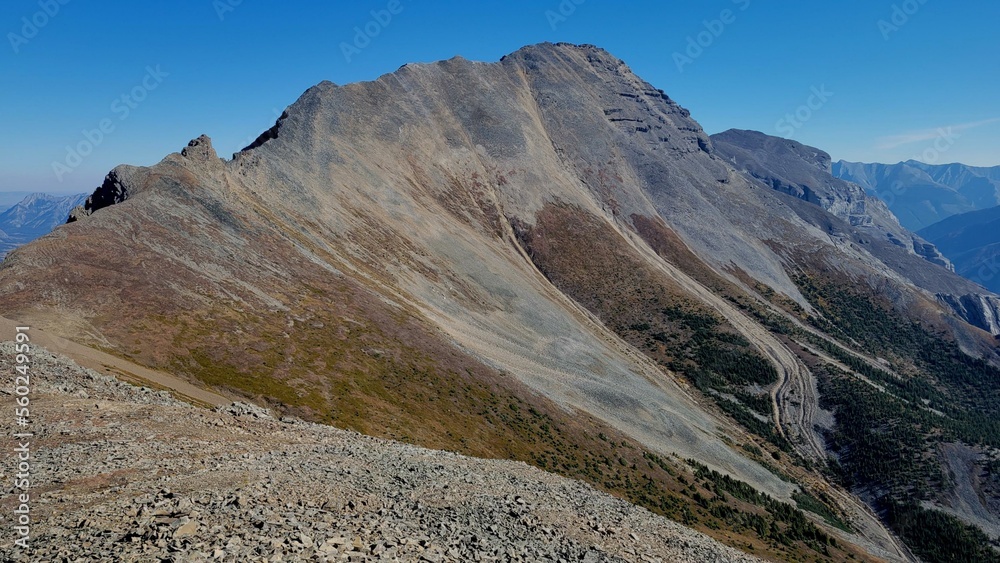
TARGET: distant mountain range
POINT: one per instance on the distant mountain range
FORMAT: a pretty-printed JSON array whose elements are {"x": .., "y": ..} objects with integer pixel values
[
  {"x": 9, "y": 199},
  {"x": 972, "y": 241},
  {"x": 923, "y": 194},
  {"x": 34, "y": 216}
]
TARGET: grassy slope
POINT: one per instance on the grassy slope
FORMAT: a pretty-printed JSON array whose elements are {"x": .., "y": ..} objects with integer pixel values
[
  {"x": 394, "y": 379},
  {"x": 337, "y": 352},
  {"x": 341, "y": 355},
  {"x": 656, "y": 316}
]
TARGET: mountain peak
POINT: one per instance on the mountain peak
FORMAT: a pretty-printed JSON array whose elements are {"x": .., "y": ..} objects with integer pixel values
[
  {"x": 922, "y": 194},
  {"x": 559, "y": 52},
  {"x": 200, "y": 149},
  {"x": 562, "y": 46},
  {"x": 33, "y": 197}
]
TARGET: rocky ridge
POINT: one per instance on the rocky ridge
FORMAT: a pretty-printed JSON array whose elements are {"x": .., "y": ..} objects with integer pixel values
[{"x": 804, "y": 172}]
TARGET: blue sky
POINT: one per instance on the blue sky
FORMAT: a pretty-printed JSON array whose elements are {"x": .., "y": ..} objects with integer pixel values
[{"x": 89, "y": 85}]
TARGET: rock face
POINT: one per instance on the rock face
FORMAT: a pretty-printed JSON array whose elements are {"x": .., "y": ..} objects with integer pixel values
[
  {"x": 805, "y": 172},
  {"x": 977, "y": 309},
  {"x": 126, "y": 473},
  {"x": 800, "y": 171},
  {"x": 34, "y": 216},
  {"x": 113, "y": 190},
  {"x": 923, "y": 194},
  {"x": 513, "y": 260}
]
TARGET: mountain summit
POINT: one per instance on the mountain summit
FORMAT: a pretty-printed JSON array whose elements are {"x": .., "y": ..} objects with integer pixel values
[{"x": 547, "y": 259}]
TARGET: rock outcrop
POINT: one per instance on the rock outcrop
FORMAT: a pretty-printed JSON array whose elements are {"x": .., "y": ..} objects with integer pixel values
[
  {"x": 977, "y": 309},
  {"x": 115, "y": 189}
]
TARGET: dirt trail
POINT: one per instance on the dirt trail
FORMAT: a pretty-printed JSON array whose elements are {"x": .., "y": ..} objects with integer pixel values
[
  {"x": 861, "y": 515},
  {"x": 797, "y": 399},
  {"x": 125, "y": 370},
  {"x": 794, "y": 378}
]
